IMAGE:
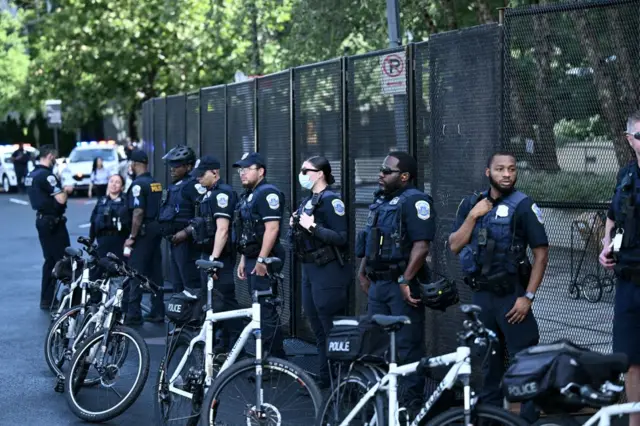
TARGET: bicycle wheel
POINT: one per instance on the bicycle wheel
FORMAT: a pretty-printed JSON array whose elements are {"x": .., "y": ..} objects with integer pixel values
[
  {"x": 282, "y": 382},
  {"x": 574, "y": 291},
  {"x": 349, "y": 390},
  {"x": 608, "y": 284},
  {"x": 171, "y": 408},
  {"x": 592, "y": 288},
  {"x": 57, "y": 343},
  {"x": 481, "y": 415},
  {"x": 557, "y": 421},
  {"x": 111, "y": 372}
]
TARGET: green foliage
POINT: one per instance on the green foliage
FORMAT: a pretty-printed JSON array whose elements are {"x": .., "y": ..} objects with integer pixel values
[
  {"x": 579, "y": 130},
  {"x": 14, "y": 61},
  {"x": 567, "y": 187}
]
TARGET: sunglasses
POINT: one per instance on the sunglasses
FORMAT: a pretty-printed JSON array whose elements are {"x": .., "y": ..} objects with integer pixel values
[
  {"x": 636, "y": 136},
  {"x": 387, "y": 171},
  {"x": 305, "y": 171}
]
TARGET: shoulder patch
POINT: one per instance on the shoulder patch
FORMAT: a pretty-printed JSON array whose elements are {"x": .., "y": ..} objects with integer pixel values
[
  {"x": 338, "y": 206},
  {"x": 195, "y": 166},
  {"x": 423, "y": 209},
  {"x": 538, "y": 212},
  {"x": 223, "y": 200},
  {"x": 250, "y": 197},
  {"x": 201, "y": 189},
  {"x": 274, "y": 201},
  {"x": 135, "y": 191},
  {"x": 156, "y": 187},
  {"x": 52, "y": 180}
]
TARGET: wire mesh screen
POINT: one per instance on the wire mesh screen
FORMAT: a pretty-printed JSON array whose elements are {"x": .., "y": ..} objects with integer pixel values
[
  {"x": 193, "y": 122},
  {"x": 318, "y": 131},
  {"x": 213, "y": 117},
  {"x": 377, "y": 112},
  {"x": 423, "y": 114},
  {"x": 176, "y": 135},
  {"x": 159, "y": 139},
  {"x": 274, "y": 143},
  {"x": 465, "y": 127},
  {"x": 570, "y": 82},
  {"x": 147, "y": 129}
]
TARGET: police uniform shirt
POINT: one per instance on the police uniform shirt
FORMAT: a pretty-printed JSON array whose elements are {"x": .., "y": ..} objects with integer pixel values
[
  {"x": 418, "y": 216},
  {"x": 528, "y": 221},
  {"x": 145, "y": 193},
  {"x": 191, "y": 190},
  {"x": 621, "y": 174},
  {"x": 221, "y": 201},
  {"x": 329, "y": 214},
  {"x": 43, "y": 186},
  {"x": 269, "y": 205}
]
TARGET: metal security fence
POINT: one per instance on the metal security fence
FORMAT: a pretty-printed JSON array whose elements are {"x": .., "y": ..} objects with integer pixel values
[{"x": 551, "y": 83}]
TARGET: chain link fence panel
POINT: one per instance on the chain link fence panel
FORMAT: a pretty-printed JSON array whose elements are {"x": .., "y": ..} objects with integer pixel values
[
  {"x": 176, "y": 123},
  {"x": 193, "y": 122},
  {"x": 213, "y": 122}
]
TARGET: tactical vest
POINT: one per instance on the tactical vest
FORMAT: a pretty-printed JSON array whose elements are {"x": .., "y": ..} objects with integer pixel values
[
  {"x": 40, "y": 200},
  {"x": 385, "y": 238},
  {"x": 206, "y": 226},
  {"x": 174, "y": 207},
  {"x": 248, "y": 227},
  {"x": 303, "y": 241},
  {"x": 627, "y": 213},
  {"x": 495, "y": 247},
  {"x": 111, "y": 215}
]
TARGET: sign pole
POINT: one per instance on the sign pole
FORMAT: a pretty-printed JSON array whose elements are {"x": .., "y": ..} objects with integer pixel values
[
  {"x": 392, "y": 65},
  {"x": 55, "y": 139}
]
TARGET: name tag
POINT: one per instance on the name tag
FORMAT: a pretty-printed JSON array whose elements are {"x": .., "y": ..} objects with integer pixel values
[
  {"x": 617, "y": 242},
  {"x": 156, "y": 187}
]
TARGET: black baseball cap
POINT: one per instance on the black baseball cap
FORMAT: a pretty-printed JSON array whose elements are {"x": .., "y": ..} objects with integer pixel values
[
  {"x": 251, "y": 159},
  {"x": 208, "y": 162},
  {"x": 139, "y": 156}
]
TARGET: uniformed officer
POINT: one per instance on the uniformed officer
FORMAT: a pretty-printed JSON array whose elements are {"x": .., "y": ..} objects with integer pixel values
[
  {"x": 621, "y": 252},
  {"x": 143, "y": 243},
  {"x": 177, "y": 208},
  {"x": 257, "y": 224},
  {"x": 110, "y": 219},
  {"x": 212, "y": 230},
  {"x": 394, "y": 246},
  {"x": 49, "y": 199},
  {"x": 319, "y": 236},
  {"x": 490, "y": 235}
]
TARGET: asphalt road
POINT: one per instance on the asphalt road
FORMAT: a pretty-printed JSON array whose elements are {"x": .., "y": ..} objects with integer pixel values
[{"x": 27, "y": 395}]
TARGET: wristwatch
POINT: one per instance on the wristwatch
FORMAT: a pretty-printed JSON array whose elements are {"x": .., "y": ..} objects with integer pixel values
[
  {"x": 529, "y": 295},
  {"x": 401, "y": 280},
  {"x": 132, "y": 237},
  {"x": 260, "y": 259}
]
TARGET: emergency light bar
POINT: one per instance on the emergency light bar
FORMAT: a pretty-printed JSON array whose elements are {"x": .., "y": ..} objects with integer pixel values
[{"x": 94, "y": 143}]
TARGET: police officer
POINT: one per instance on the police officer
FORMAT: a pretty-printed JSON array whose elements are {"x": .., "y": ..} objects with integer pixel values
[
  {"x": 110, "y": 219},
  {"x": 319, "y": 237},
  {"x": 143, "y": 244},
  {"x": 621, "y": 252},
  {"x": 491, "y": 234},
  {"x": 212, "y": 230},
  {"x": 257, "y": 224},
  {"x": 49, "y": 199},
  {"x": 178, "y": 207},
  {"x": 394, "y": 246}
]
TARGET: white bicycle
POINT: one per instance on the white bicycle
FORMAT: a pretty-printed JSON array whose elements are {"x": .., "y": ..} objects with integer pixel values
[
  {"x": 191, "y": 391},
  {"x": 365, "y": 383}
]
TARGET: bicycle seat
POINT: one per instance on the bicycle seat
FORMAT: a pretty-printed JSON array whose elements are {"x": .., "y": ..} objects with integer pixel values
[
  {"x": 390, "y": 321},
  {"x": 470, "y": 309},
  {"x": 73, "y": 252},
  {"x": 209, "y": 264}
]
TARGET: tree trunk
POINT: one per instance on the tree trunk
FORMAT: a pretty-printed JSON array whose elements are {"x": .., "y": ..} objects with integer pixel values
[
  {"x": 483, "y": 12},
  {"x": 605, "y": 88},
  {"x": 544, "y": 151},
  {"x": 450, "y": 13},
  {"x": 627, "y": 76}
]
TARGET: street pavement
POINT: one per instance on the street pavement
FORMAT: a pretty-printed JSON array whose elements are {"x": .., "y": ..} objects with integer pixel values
[{"x": 27, "y": 396}]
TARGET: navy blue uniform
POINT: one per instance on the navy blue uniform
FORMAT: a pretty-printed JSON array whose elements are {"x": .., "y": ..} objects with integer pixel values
[
  {"x": 145, "y": 193},
  {"x": 496, "y": 267},
  {"x": 625, "y": 214},
  {"x": 395, "y": 222},
  {"x": 42, "y": 187},
  {"x": 325, "y": 276},
  {"x": 263, "y": 204},
  {"x": 110, "y": 225},
  {"x": 219, "y": 203},
  {"x": 177, "y": 209}
]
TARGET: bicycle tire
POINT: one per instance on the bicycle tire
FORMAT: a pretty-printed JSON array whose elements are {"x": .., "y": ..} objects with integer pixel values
[
  {"x": 183, "y": 339},
  {"x": 596, "y": 284},
  {"x": 361, "y": 377},
  {"x": 130, "y": 398},
  {"x": 270, "y": 363},
  {"x": 55, "y": 365},
  {"x": 562, "y": 420},
  {"x": 574, "y": 291},
  {"x": 488, "y": 412}
]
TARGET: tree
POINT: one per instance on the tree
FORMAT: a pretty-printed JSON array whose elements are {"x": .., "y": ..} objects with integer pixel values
[{"x": 14, "y": 61}]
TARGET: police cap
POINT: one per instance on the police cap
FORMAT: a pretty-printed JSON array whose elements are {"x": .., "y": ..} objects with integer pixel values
[
  {"x": 249, "y": 160},
  {"x": 206, "y": 163},
  {"x": 139, "y": 156}
]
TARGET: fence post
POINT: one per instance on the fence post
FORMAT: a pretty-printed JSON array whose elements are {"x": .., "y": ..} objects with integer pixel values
[
  {"x": 293, "y": 326},
  {"x": 256, "y": 145},
  {"x": 226, "y": 135},
  {"x": 411, "y": 106}
]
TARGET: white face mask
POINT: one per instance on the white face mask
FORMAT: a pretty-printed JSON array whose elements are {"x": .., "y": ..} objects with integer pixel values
[{"x": 305, "y": 181}]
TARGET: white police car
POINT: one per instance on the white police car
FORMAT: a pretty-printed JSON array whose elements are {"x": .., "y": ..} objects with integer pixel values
[
  {"x": 78, "y": 166},
  {"x": 7, "y": 172}
]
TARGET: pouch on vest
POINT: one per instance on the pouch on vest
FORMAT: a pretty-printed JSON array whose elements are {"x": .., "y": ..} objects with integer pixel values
[
  {"x": 468, "y": 260},
  {"x": 373, "y": 245},
  {"x": 357, "y": 339},
  {"x": 361, "y": 243}
]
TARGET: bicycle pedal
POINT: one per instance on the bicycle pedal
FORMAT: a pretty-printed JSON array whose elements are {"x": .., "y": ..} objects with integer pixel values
[{"x": 59, "y": 385}]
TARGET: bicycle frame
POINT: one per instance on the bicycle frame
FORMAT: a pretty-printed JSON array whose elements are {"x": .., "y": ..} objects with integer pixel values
[
  {"x": 603, "y": 416},
  {"x": 461, "y": 367},
  {"x": 81, "y": 282}
]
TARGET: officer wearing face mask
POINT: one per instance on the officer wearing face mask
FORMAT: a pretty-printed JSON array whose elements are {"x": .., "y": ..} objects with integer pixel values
[
  {"x": 319, "y": 237},
  {"x": 110, "y": 219},
  {"x": 394, "y": 246}
]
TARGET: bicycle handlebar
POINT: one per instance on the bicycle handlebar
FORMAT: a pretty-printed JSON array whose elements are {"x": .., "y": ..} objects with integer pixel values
[{"x": 127, "y": 271}]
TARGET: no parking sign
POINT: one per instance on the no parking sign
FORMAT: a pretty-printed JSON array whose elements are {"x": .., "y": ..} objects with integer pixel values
[{"x": 393, "y": 74}]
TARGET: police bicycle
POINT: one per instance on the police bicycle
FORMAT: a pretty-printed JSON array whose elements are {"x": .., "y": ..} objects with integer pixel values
[
  {"x": 100, "y": 358},
  {"x": 373, "y": 381},
  {"x": 210, "y": 389}
]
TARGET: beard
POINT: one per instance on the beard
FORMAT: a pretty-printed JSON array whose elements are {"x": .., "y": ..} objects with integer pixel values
[
  {"x": 502, "y": 190},
  {"x": 390, "y": 187}
]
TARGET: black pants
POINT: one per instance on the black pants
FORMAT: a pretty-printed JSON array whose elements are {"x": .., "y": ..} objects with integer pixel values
[
  {"x": 21, "y": 173},
  {"x": 54, "y": 238}
]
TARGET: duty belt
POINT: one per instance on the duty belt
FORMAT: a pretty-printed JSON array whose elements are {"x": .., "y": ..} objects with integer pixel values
[
  {"x": 628, "y": 273},
  {"x": 321, "y": 256},
  {"x": 170, "y": 228},
  {"x": 57, "y": 218},
  {"x": 385, "y": 272},
  {"x": 108, "y": 233},
  {"x": 500, "y": 284}
]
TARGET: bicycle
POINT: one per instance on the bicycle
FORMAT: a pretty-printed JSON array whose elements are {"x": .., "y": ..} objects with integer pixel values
[
  {"x": 473, "y": 332},
  {"x": 106, "y": 350},
  {"x": 205, "y": 380}
]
